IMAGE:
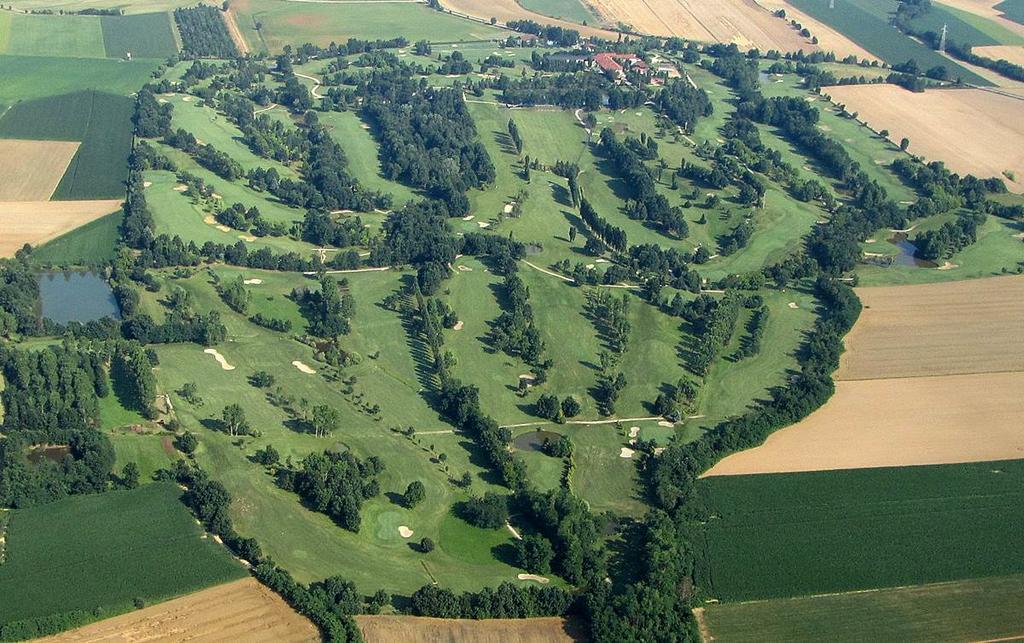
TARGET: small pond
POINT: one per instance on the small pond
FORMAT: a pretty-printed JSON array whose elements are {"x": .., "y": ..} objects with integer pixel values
[
  {"x": 51, "y": 452},
  {"x": 534, "y": 440},
  {"x": 76, "y": 296},
  {"x": 908, "y": 250}
]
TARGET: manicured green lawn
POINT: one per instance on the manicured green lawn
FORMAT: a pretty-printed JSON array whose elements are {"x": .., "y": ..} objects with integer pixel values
[
  {"x": 98, "y": 553},
  {"x": 779, "y": 535}
]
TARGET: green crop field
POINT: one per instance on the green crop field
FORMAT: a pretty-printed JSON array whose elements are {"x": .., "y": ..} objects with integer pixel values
[
  {"x": 42, "y": 35},
  {"x": 100, "y": 553},
  {"x": 572, "y": 10},
  {"x": 145, "y": 35},
  {"x": 969, "y": 610},
  {"x": 833, "y": 531},
  {"x": 23, "y": 78},
  {"x": 288, "y": 23},
  {"x": 1012, "y": 9},
  {"x": 965, "y": 27},
  {"x": 90, "y": 244},
  {"x": 102, "y": 122},
  {"x": 866, "y": 22}
]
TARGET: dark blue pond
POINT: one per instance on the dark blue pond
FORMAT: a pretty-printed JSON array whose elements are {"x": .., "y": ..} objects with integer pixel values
[{"x": 76, "y": 296}]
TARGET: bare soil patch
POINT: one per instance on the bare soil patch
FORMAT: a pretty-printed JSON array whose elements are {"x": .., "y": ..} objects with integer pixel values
[
  {"x": 241, "y": 611},
  {"x": 830, "y": 39},
  {"x": 414, "y": 629},
  {"x": 31, "y": 170},
  {"x": 972, "y": 130},
  {"x": 895, "y": 423},
  {"x": 742, "y": 22},
  {"x": 236, "y": 34},
  {"x": 37, "y": 222},
  {"x": 972, "y": 326}
]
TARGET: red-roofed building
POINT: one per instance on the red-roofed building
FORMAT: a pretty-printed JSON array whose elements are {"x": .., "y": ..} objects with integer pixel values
[{"x": 618, "y": 64}]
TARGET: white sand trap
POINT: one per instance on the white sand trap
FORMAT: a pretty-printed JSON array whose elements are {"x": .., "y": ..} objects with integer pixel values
[
  {"x": 404, "y": 531},
  {"x": 508, "y": 208},
  {"x": 465, "y": 269},
  {"x": 180, "y": 187},
  {"x": 216, "y": 196},
  {"x": 634, "y": 431},
  {"x": 793, "y": 304},
  {"x": 600, "y": 261},
  {"x": 665, "y": 423},
  {"x": 220, "y": 359},
  {"x": 247, "y": 238},
  {"x": 626, "y": 453},
  {"x": 948, "y": 265},
  {"x": 146, "y": 184},
  {"x": 364, "y": 126},
  {"x": 590, "y": 266},
  {"x": 458, "y": 325},
  {"x": 533, "y": 577},
  {"x": 469, "y": 217},
  {"x": 483, "y": 224},
  {"x": 252, "y": 282},
  {"x": 223, "y": 228},
  {"x": 162, "y": 100},
  {"x": 186, "y": 99},
  {"x": 659, "y": 450},
  {"x": 302, "y": 367},
  {"x": 871, "y": 241}
]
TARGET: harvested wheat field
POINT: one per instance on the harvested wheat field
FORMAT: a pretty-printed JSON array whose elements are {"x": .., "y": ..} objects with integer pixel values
[
  {"x": 895, "y": 423},
  {"x": 413, "y": 629},
  {"x": 972, "y": 130},
  {"x": 1011, "y": 53},
  {"x": 742, "y": 22},
  {"x": 974, "y": 326},
  {"x": 241, "y": 611},
  {"x": 829, "y": 39},
  {"x": 33, "y": 169},
  {"x": 505, "y": 10},
  {"x": 37, "y": 222}
]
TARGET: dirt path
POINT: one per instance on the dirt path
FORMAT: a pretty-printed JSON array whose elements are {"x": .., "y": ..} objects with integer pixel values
[
  {"x": 316, "y": 84},
  {"x": 236, "y": 33},
  {"x": 265, "y": 109},
  {"x": 582, "y": 422},
  {"x": 572, "y": 281}
]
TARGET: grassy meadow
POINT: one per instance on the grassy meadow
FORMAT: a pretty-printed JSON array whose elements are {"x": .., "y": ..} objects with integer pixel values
[
  {"x": 798, "y": 534},
  {"x": 99, "y": 553},
  {"x": 90, "y": 244},
  {"x": 572, "y": 10}
]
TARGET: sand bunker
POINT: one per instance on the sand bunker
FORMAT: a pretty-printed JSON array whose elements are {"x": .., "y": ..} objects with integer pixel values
[
  {"x": 483, "y": 224},
  {"x": 533, "y": 577},
  {"x": 600, "y": 261},
  {"x": 665, "y": 423},
  {"x": 252, "y": 282},
  {"x": 458, "y": 325},
  {"x": 180, "y": 187},
  {"x": 469, "y": 217},
  {"x": 793, "y": 304},
  {"x": 302, "y": 367},
  {"x": 465, "y": 269},
  {"x": 220, "y": 359},
  {"x": 404, "y": 531},
  {"x": 634, "y": 431},
  {"x": 247, "y": 238},
  {"x": 626, "y": 452},
  {"x": 146, "y": 184},
  {"x": 186, "y": 99}
]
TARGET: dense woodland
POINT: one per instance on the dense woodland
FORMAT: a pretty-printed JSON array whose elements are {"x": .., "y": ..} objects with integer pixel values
[{"x": 203, "y": 33}]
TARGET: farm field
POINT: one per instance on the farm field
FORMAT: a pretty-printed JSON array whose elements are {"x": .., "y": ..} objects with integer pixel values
[
  {"x": 741, "y": 22},
  {"x": 96, "y": 554},
  {"x": 967, "y": 610},
  {"x": 992, "y": 11},
  {"x": 507, "y": 10},
  {"x": 932, "y": 374},
  {"x": 240, "y": 610},
  {"x": 37, "y": 222},
  {"x": 571, "y": 10},
  {"x": 987, "y": 141},
  {"x": 412, "y": 629},
  {"x": 32, "y": 169},
  {"x": 1012, "y": 53},
  {"x": 102, "y": 122},
  {"x": 24, "y": 78},
  {"x": 147, "y": 35},
  {"x": 88, "y": 244},
  {"x": 798, "y": 534},
  {"x": 829, "y": 38},
  {"x": 936, "y": 329},
  {"x": 1012, "y": 9},
  {"x": 288, "y": 23},
  {"x": 965, "y": 28},
  {"x": 866, "y": 22}
]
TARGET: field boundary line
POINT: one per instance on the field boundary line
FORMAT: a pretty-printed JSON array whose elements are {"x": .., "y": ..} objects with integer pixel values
[{"x": 1009, "y": 371}]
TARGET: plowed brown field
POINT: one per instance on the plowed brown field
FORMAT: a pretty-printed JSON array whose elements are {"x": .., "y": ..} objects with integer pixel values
[
  {"x": 413, "y": 629},
  {"x": 972, "y": 130},
  {"x": 241, "y": 611},
  {"x": 933, "y": 374},
  {"x": 31, "y": 170},
  {"x": 37, "y": 222},
  {"x": 742, "y": 22},
  {"x": 1011, "y": 53}
]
